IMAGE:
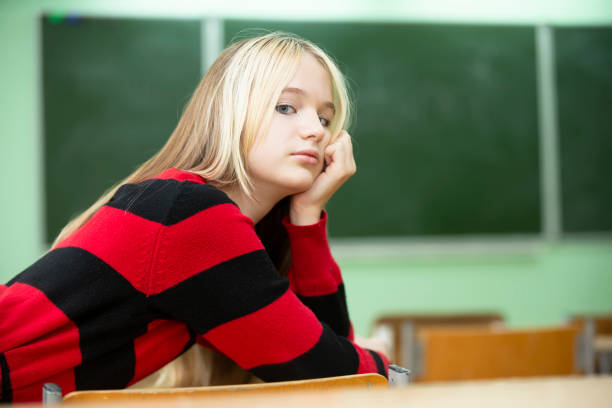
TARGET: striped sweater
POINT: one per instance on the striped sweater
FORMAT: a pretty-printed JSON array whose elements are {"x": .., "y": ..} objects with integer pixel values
[{"x": 167, "y": 262}]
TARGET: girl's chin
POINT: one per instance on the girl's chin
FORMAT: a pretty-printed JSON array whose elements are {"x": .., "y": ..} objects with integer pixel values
[{"x": 299, "y": 186}]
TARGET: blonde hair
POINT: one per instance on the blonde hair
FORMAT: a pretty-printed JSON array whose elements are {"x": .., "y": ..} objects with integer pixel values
[
  {"x": 198, "y": 366},
  {"x": 233, "y": 102}
]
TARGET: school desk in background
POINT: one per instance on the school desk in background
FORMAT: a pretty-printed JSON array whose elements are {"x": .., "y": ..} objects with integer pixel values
[
  {"x": 478, "y": 346},
  {"x": 400, "y": 332}
]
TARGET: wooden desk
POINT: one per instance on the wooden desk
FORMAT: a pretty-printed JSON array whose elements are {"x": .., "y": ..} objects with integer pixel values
[
  {"x": 603, "y": 353},
  {"x": 472, "y": 354},
  {"x": 318, "y": 385},
  {"x": 402, "y": 329},
  {"x": 557, "y": 392}
]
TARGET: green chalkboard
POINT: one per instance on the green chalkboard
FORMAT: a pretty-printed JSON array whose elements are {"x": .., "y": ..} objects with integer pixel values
[
  {"x": 584, "y": 86},
  {"x": 113, "y": 92},
  {"x": 446, "y": 133}
]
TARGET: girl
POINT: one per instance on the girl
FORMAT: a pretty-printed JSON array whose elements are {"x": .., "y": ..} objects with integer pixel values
[{"x": 189, "y": 248}]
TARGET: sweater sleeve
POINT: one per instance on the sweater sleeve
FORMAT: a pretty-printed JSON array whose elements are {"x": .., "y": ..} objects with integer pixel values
[
  {"x": 211, "y": 271},
  {"x": 315, "y": 277}
]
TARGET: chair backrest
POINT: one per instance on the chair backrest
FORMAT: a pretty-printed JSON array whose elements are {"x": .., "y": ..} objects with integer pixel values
[
  {"x": 401, "y": 330},
  {"x": 363, "y": 381},
  {"x": 465, "y": 354}
]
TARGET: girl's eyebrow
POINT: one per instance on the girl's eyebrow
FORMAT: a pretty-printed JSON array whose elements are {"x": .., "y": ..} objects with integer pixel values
[{"x": 300, "y": 91}]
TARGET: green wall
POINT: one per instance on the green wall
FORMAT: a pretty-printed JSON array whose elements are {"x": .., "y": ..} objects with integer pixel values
[
  {"x": 530, "y": 287},
  {"x": 538, "y": 286}
]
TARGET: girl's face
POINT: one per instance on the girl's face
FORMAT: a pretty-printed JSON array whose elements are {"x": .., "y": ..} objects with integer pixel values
[{"x": 291, "y": 155}]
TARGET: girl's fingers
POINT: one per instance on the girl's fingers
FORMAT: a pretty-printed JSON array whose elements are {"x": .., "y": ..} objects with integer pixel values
[
  {"x": 329, "y": 153},
  {"x": 341, "y": 153}
]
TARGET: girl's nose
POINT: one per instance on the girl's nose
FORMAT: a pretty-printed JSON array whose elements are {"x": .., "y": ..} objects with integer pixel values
[{"x": 312, "y": 127}]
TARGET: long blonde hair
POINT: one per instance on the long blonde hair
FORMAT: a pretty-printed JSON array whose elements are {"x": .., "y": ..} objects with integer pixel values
[{"x": 234, "y": 101}]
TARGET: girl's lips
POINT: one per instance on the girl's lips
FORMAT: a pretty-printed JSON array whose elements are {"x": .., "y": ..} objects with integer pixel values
[{"x": 309, "y": 156}]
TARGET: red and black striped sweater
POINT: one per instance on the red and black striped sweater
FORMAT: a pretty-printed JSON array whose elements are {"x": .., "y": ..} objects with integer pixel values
[{"x": 164, "y": 263}]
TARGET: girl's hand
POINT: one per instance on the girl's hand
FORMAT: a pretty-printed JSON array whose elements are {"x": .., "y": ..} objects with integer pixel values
[{"x": 306, "y": 207}]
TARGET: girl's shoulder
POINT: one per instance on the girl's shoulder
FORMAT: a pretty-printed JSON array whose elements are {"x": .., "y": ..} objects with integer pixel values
[
  {"x": 170, "y": 197},
  {"x": 179, "y": 175}
]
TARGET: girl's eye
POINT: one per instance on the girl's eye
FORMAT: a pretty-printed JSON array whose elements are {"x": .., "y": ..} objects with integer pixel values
[
  {"x": 324, "y": 122},
  {"x": 285, "y": 109}
]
